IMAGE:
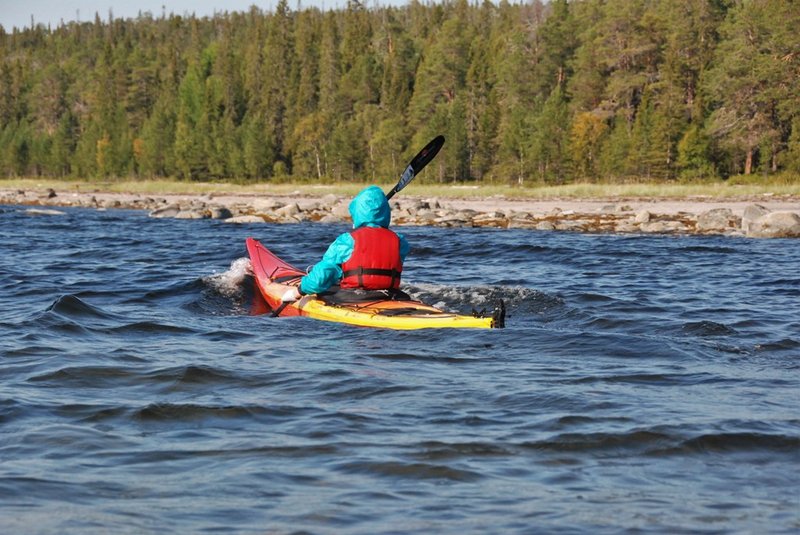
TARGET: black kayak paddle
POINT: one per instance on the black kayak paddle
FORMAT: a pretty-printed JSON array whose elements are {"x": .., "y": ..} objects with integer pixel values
[{"x": 419, "y": 162}]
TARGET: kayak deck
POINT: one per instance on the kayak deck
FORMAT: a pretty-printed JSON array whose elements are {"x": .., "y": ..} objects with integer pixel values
[{"x": 274, "y": 277}]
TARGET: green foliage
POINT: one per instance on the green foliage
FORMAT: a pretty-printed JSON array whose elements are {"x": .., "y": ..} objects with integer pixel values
[
  {"x": 526, "y": 93},
  {"x": 586, "y": 142},
  {"x": 693, "y": 155},
  {"x": 550, "y": 140},
  {"x": 650, "y": 152}
]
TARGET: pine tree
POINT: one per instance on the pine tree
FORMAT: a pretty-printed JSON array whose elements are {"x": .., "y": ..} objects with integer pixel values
[
  {"x": 586, "y": 138},
  {"x": 258, "y": 149},
  {"x": 442, "y": 72},
  {"x": 558, "y": 42},
  {"x": 63, "y": 145},
  {"x": 456, "y": 150},
  {"x": 754, "y": 75},
  {"x": 549, "y": 152},
  {"x": 614, "y": 155},
  {"x": 694, "y": 154},
  {"x": 651, "y": 151},
  {"x": 400, "y": 61},
  {"x": 305, "y": 75},
  {"x": 156, "y": 157},
  {"x": 481, "y": 111},
  {"x": 792, "y": 157},
  {"x": 387, "y": 147},
  {"x": 308, "y": 142},
  {"x": 190, "y": 157},
  {"x": 278, "y": 59}
]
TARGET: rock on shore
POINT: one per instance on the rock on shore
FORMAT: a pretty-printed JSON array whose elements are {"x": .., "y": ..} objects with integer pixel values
[{"x": 759, "y": 220}]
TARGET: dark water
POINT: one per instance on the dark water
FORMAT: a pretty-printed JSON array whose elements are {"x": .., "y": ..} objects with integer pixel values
[{"x": 644, "y": 384}]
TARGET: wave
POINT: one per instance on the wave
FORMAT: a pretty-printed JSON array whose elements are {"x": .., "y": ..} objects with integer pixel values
[
  {"x": 172, "y": 413},
  {"x": 779, "y": 345},
  {"x": 707, "y": 328},
  {"x": 464, "y": 298},
  {"x": 67, "y": 314},
  {"x": 409, "y": 470},
  {"x": 148, "y": 327},
  {"x": 709, "y": 249},
  {"x": 86, "y": 376},
  {"x": 72, "y": 306},
  {"x": 180, "y": 288},
  {"x": 740, "y": 442},
  {"x": 655, "y": 443}
]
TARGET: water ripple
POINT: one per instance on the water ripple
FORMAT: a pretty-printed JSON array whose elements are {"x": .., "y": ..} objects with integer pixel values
[{"x": 643, "y": 383}]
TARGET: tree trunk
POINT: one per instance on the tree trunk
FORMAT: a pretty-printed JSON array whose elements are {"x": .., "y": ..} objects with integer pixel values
[{"x": 748, "y": 162}]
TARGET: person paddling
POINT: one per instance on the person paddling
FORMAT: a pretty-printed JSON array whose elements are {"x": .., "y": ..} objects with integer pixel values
[{"x": 369, "y": 258}]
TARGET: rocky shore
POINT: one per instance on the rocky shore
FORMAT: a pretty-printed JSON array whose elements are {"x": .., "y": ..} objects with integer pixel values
[{"x": 763, "y": 217}]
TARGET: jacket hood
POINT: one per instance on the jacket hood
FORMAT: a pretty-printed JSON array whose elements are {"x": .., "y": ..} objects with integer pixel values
[{"x": 370, "y": 207}]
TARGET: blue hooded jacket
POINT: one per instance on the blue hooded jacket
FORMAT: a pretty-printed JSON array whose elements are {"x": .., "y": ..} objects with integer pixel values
[{"x": 369, "y": 208}]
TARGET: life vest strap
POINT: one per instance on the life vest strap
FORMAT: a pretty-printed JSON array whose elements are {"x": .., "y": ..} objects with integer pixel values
[{"x": 361, "y": 271}]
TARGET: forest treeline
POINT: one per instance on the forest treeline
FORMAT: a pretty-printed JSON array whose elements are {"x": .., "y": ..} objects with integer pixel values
[{"x": 525, "y": 93}]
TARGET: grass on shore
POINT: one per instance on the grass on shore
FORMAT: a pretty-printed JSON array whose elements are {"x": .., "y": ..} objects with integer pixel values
[{"x": 714, "y": 190}]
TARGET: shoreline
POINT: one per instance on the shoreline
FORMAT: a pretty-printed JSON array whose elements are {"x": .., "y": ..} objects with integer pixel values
[{"x": 754, "y": 216}]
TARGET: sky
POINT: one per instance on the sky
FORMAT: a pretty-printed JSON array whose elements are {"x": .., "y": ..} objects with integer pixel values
[{"x": 18, "y": 12}]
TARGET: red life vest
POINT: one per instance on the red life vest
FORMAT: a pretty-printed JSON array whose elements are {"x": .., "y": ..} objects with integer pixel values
[{"x": 375, "y": 263}]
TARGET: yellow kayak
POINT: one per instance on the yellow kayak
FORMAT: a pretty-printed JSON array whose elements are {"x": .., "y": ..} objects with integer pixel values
[{"x": 274, "y": 277}]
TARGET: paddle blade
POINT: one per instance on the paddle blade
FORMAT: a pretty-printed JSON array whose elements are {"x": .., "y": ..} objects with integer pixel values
[
  {"x": 418, "y": 163},
  {"x": 427, "y": 154}
]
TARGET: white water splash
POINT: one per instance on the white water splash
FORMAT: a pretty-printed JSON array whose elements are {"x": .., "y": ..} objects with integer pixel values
[
  {"x": 463, "y": 297},
  {"x": 230, "y": 283}
]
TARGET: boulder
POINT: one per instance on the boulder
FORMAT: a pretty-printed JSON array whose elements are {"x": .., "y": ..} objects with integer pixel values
[
  {"x": 656, "y": 227},
  {"x": 167, "y": 211},
  {"x": 424, "y": 218},
  {"x": 220, "y": 212},
  {"x": 625, "y": 226},
  {"x": 310, "y": 206},
  {"x": 331, "y": 218},
  {"x": 675, "y": 226},
  {"x": 44, "y": 211},
  {"x": 751, "y": 214},
  {"x": 489, "y": 216},
  {"x": 571, "y": 225},
  {"x": 330, "y": 199},
  {"x": 245, "y": 219},
  {"x": 341, "y": 211},
  {"x": 111, "y": 203},
  {"x": 717, "y": 220},
  {"x": 191, "y": 214},
  {"x": 287, "y": 211},
  {"x": 775, "y": 225},
  {"x": 266, "y": 205},
  {"x": 522, "y": 220},
  {"x": 454, "y": 219},
  {"x": 642, "y": 217}
]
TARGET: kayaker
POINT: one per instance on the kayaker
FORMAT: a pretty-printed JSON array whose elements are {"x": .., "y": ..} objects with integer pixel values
[{"x": 370, "y": 257}]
